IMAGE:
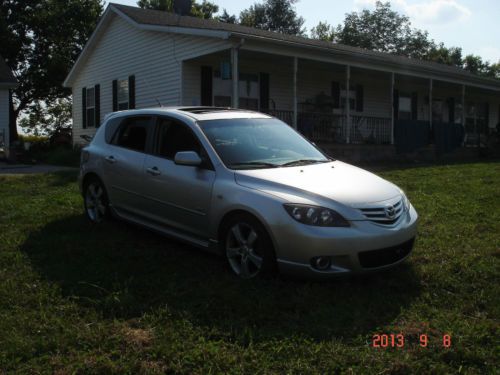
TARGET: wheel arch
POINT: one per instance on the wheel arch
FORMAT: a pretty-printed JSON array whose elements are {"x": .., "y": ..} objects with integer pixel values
[{"x": 241, "y": 211}]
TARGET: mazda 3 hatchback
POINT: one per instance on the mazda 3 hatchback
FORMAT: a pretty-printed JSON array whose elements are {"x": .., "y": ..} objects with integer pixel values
[{"x": 247, "y": 186}]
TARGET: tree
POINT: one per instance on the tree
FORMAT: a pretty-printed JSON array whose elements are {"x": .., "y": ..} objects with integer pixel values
[
  {"x": 40, "y": 42},
  {"x": 382, "y": 30},
  {"x": 323, "y": 31},
  {"x": 165, "y": 5},
  {"x": 385, "y": 30},
  {"x": 206, "y": 9},
  {"x": 227, "y": 18},
  {"x": 274, "y": 15},
  {"x": 45, "y": 120}
]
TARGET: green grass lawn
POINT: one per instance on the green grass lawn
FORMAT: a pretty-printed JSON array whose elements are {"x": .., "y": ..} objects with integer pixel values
[{"x": 75, "y": 298}]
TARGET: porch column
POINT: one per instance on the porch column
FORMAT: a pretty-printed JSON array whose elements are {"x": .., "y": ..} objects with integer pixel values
[
  {"x": 392, "y": 108},
  {"x": 295, "y": 102},
  {"x": 348, "y": 103},
  {"x": 235, "y": 76},
  {"x": 463, "y": 106},
  {"x": 463, "y": 113},
  {"x": 430, "y": 102}
]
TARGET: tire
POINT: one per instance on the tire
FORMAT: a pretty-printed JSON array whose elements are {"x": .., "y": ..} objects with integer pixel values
[
  {"x": 248, "y": 247},
  {"x": 95, "y": 200}
]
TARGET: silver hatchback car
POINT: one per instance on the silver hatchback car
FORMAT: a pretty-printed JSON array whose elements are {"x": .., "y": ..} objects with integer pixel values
[{"x": 248, "y": 186}]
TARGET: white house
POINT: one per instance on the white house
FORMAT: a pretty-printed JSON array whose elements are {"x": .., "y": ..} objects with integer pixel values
[
  {"x": 140, "y": 58},
  {"x": 7, "y": 82}
]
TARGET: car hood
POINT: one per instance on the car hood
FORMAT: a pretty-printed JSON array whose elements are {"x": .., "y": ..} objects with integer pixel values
[{"x": 336, "y": 180}]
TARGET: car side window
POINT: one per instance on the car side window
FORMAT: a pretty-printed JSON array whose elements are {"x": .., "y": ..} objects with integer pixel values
[
  {"x": 133, "y": 133},
  {"x": 174, "y": 137}
]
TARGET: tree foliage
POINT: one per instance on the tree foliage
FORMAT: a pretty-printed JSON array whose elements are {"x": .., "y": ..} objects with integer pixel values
[
  {"x": 385, "y": 30},
  {"x": 45, "y": 120},
  {"x": 227, "y": 18},
  {"x": 40, "y": 42},
  {"x": 274, "y": 15},
  {"x": 205, "y": 9}
]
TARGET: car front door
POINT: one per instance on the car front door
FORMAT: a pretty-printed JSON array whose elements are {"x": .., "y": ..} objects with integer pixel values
[
  {"x": 179, "y": 196},
  {"x": 124, "y": 162}
]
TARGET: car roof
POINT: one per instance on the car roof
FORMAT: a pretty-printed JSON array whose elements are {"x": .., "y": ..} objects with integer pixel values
[{"x": 197, "y": 113}]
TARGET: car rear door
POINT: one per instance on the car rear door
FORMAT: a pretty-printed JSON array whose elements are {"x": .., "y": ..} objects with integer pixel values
[
  {"x": 179, "y": 196},
  {"x": 123, "y": 164}
]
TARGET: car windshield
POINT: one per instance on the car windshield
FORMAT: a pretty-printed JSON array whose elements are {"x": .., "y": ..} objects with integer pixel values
[{"x": 259, "y": 143}]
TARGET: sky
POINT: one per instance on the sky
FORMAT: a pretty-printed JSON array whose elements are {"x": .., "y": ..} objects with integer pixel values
[{"x": 473, "y": 25}]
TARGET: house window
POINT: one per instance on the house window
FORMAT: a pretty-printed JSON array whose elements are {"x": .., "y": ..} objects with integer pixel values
[
  {"x": 348, "y": 95},
  {"x": 90, "y": 107},
  {"x": 404, "y": 107},
  {"x": 123, "y": 94}
]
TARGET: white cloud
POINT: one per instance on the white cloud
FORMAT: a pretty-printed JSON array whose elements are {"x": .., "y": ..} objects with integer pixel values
[
  {"x": 427, "y": 12},
  {"x": 490, "y": 53}
]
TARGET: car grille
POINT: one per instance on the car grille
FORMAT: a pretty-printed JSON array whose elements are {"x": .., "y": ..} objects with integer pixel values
[
  {"x": 387, "y": 215},
  {"x": 384, "y": 257}
]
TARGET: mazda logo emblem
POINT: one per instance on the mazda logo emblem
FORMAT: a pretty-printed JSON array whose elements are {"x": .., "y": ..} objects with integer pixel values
[{"x": 390, "y": 212}]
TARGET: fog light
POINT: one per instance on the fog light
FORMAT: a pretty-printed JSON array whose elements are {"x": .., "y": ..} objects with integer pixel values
[{"x": 321, "y": 263}]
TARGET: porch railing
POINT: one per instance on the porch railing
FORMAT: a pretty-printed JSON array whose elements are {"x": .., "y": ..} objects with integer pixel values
[
  {"x": 374, "y": 130},
  {"x": 328, "y": 127}
]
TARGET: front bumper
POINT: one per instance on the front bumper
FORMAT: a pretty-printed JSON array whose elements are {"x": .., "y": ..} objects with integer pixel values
[{"x": 362, "y": 248}]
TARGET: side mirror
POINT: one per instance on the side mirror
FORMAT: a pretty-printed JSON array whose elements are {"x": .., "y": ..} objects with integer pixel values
[{"x": 189, "y": 158}]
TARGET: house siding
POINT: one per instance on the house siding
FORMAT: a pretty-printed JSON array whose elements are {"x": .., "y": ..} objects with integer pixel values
[
  {"x": 155, "y": 58},
  {"x": 4, "y": 114}
]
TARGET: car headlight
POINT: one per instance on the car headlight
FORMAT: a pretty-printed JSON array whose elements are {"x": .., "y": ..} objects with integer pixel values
[
  {"x": 406, "y": 202},
  {"x": 316, "y": 216}
]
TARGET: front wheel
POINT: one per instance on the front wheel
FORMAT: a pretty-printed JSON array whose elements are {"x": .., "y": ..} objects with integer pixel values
[
  {"x": 95, "y": 201},
  {"x": 248, "y": 248}
]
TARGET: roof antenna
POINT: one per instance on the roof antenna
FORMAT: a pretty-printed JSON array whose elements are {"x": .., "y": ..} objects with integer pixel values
[{"x": 149, "y": 87}]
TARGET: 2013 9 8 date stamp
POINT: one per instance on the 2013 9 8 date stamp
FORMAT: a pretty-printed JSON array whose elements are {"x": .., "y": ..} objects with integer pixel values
[{"x": 399, "y": 340}]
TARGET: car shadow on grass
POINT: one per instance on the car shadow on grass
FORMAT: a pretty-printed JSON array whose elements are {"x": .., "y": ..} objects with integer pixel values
[{"x": 124, "y": 272}]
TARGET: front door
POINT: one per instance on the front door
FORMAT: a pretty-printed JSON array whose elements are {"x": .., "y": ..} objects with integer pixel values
[{"x": 179, "y": 195}]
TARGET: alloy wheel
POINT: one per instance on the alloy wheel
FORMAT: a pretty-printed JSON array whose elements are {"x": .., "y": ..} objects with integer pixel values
[
  {"x": 241, "y": 250},
  {"x": 95, "y": 202}
]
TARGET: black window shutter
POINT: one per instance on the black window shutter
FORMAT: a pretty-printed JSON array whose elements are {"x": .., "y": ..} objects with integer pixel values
[
  {"x": 206, "y": 85},
  {"x": 131, "y": 92},
  {"x": 451, "y": 110},
  {"x": 264, "y": 91},
  {"x": 396, "y": 104},
  {"x": 336, "y": 94},
  {"x": 359, "y": 98},
  {"x": 97, "y": 104},
  {"x": 414, "y": 106},
  {"x": 84, "y": 108},
  {"x": 115, "y": 95}
]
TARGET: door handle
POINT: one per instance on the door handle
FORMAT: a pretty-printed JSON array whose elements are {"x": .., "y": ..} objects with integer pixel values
[
  {"x": 110, "y": 159},
  {"x": 154, "y": 171}
]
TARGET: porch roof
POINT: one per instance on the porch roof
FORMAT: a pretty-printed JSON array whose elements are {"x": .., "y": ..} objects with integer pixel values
[{"x": 154, "y": 18}]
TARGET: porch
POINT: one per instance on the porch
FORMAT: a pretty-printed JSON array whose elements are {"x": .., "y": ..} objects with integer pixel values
[{"x": 340, "y": 104}]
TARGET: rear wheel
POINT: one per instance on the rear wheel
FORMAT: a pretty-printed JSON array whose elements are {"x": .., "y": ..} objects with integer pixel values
[
  {"x": 95, "y": 201},
  {"x": 248, "y": 248}
]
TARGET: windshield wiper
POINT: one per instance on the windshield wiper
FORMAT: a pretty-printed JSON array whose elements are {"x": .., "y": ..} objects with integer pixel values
[
  {"x": 255, "y": 164},
  {"x": 303, "y": 162}
]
